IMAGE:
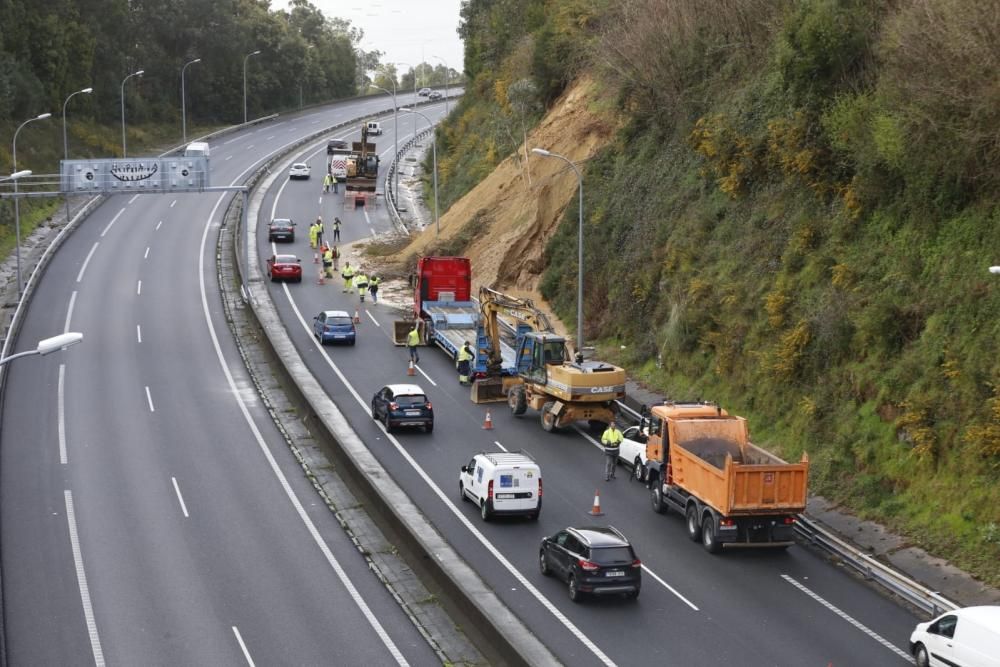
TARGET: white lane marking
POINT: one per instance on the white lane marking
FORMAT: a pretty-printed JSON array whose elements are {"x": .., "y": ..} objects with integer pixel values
[
  {"x": 173, "y": 203},
  {"x": 228, "y": 158},
  {"x": 527, "y": 585},
  {"x": 275, "y": 469},
  {"x": 250, "y": 147},
  {"x": 669, "y": 587},
  {"x": 226, "y": 143},
  {"x": 138, "y": 333},
  {"x": 180, "y": 498},
  {"x": 69, "y": 311},
  {"x": 138, "y": 288},
  {"x": 81, "y": 580},
  {"x": 246, "y": 653},
  {"x": 497, "y": 443},
  {"x": 421, "y": 371},
  {"x": 320, "y": 201},
  {"x": 149, "y": 398},
  {"x": 61, "y": 413},
  {"x": 314, "y": 122},
  {"x": 372, "y": 318},
  {"x": 858, "y": 624},
  {"x": 158, "y": 225},
  {"x": 269, "y": 138},
  {"x": 146, "y": 254},
  {"x": 79, "y": 276},
  {"x": 134, "y": 197},
  {"x": 274, "y": 205}
]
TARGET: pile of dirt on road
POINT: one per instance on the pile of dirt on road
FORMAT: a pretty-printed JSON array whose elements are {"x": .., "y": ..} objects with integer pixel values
[{"x": 505, "y": 222}]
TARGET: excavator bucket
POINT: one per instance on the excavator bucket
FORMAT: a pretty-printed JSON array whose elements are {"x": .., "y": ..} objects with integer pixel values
[{"x": 488, "y": 390}]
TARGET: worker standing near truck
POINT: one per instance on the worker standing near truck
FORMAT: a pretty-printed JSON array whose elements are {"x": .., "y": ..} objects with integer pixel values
[
  {"x": 327, "y": 181},
  {"x": 361, "y": 282},
  {"x": 412, "y": 341},
  {"x": 347, "y": 274},
  {"x": 612, "y": 441},
  {"x": 465, "y": 358}
]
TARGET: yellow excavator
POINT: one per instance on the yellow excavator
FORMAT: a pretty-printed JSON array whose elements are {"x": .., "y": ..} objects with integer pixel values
[{"x": 537, "y": 371}]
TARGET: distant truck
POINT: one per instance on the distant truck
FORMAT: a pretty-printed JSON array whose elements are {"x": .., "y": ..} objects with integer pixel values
[
  {"x": 338, "y": 163},
  {"x": 701, "y": 463}
]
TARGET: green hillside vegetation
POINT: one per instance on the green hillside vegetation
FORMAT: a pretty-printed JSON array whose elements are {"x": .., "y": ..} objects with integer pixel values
[{"x": 796, "y": 221}]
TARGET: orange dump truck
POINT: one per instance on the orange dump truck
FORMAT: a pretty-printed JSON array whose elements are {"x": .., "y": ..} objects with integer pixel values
[{"x": 701, "y": 463}]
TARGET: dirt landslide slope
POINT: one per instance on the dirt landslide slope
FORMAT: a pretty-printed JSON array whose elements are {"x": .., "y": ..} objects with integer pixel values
[{"x": 519, "y": 218}]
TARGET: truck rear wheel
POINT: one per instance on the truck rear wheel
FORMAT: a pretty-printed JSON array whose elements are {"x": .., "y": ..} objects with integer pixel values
[
  {"x": 708, "y": 535},
  {"x": 693, "y": 525},
  {"x": 517, "y": 401},
  {"x": 659, "y": 506},
  {"x": 548, "y": 419}
]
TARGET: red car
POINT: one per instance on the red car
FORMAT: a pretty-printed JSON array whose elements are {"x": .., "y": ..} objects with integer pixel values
[{"x": 284, "y": 267}]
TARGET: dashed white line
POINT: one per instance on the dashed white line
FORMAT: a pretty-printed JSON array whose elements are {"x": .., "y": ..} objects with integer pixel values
[
  {"x": 246, "y": 653},
  {"x": 138, "y": 333},
  {"x": 138, "y": 288},
  {"x": 149, "y": 399},
  {"x": 844, "y": 615},
  {"x": 669, "y": 587},
  {"x": 180, "y": 498},
  {"x": 146, "y": 254},
  {"x": 269, "y": 138},
  {"x": 372, "y": 317},
  {"x": 250, "y": 147},
  {"x": 228, "y": 158},
  {"x": 61, "y": 410},
  {"x": 79, "y": 276},
  {"x": 173, "y": 203},
  {"x": 226, "y": 143},
  {"x": 69, "y": 311},
  {"x": 81, "y": 580},
  {"x": 112, "y": 222},
  {"x": 421, "y": 371},
  {"x": 158, "y": 225},
  {"x": 497, "y": 443},
  {"x": 134, "y": 197}
]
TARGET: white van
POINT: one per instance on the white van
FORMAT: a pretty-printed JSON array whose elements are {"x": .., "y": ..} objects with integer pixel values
[
  {"x": 374, "y": 127},
  {"x": 503, "y": 483},
  {"x": 969, "y": 637},
  {"x": 197, "y": 149}
]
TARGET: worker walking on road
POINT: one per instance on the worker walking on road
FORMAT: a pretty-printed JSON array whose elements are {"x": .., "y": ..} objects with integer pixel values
[
  {"x": 328, "y": 261},
  {"x": 361, "y": 282},
  {"x": 412, "y": 341},
  {"x": 312, "y": 236},
  {"x": 327, "y": 182},
  {"x": 465, "y": 357},
  {"x": 612, "y": 441},
  {"x": 336, "y": 230},
  {"x": 373, "y": 287},
  {"x": 347, "y": 274}
]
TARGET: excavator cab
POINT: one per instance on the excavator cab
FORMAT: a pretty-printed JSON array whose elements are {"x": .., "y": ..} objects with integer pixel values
[{"x": 536, "y": 353}]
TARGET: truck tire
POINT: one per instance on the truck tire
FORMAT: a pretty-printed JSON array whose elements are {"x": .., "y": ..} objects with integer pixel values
[
  {"x": 548, "y": 419},
  {"x": 693, "y": 525},
  {"x": 708, "y": 535},
  {"x": 659, "y": 506},
  {"x": 518, "y": 401}
]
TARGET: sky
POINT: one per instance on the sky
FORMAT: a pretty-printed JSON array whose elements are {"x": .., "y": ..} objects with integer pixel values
[{"x": 407, "y": 31}]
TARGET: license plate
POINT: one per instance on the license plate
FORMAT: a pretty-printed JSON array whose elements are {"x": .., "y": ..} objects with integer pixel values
[
  {"x": 614, "y": 573},
  {"x": 338, "y": 336},
  {"x": 412, "y": 413},
  {"x": 505, "y": 496}
]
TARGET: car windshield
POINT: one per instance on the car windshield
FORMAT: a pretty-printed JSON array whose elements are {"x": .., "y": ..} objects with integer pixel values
[
  {"x": 338, "y": 320},
  {"x": 281, "y": 223},
  {"x": 611, "y": 555},
  {"x": 411, "y": 401},
  {"x": 299, "y": 165}
]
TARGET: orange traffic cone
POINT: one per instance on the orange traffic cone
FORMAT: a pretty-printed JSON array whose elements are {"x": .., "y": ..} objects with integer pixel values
[
  {"x": 357, "y": 320},
  {"x": 596, "y": 511},
  {"x": 488, "y": 422},
  {"x": 411, "y": 370},
  {"x": 322, "y": 279}
]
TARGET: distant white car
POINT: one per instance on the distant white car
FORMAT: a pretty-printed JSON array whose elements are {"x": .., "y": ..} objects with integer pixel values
[
  {"x": 424, "y": 92},
  {"x": 632, "y": 451},
  {"x": 299, "y": 170}
]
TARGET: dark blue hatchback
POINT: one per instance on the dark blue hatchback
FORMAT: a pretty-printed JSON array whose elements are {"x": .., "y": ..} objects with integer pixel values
[{"x": 334, "y": 326}]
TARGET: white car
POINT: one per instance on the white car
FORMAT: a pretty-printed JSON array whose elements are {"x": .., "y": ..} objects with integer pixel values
[
  {"x": 424, "y": 92},
  {"x": 969, "y": 636},
  {"x": 632, "y": 451},
  {"x": 299, "y": 170}
]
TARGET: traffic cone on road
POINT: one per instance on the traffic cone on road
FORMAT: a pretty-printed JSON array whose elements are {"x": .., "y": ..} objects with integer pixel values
[
  {"x": 596, "y": 511},
  {"x": 488, "y": 422},
  {"x": 357, "y": 318},
  {"x": 411, "y": 370},
  {"x": 321, "y": 280}
]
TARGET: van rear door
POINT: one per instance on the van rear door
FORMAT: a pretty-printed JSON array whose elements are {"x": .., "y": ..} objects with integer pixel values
[{"x": 515, "y": 488}]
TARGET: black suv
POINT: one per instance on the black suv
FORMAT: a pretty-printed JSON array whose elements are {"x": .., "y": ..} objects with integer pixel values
[
  {"x": 281, "y": 229},
  {"x": 592, "y": 560},
  {"x": 402, "y": 405}
]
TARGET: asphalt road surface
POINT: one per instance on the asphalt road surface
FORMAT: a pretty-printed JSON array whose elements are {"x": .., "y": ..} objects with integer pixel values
[
  {"x": 744, "y": 608},
  {"x": 151, "y": 512}
]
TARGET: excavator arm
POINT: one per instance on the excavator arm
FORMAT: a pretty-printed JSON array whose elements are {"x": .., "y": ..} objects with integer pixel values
[{"x": 493, "y": 304}]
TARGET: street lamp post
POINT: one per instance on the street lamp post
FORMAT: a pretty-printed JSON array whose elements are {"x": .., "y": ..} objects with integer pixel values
[
  {"x": 184, "y": 127},
  {"x": 17, "y": 205},
  {"x": 437, "y": 221},
  {"x": 139, "y": 73},
  {"x": 447, "y": 75},
  {"x": 48, "y": 345},
  {"x": 579, "y": 279},
  {"x": 395, "y": 137},
  {"x": 245, "y": 59},
  {"x": 65, "y": 139}
]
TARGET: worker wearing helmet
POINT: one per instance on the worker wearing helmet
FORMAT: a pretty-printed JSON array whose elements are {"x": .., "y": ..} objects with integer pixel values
[
  {"x": 347, "y": 274},
  {"x": 612, "y": 441},
  {"x": 361, "y": 282},
  {"x": 465, "y": 357}
]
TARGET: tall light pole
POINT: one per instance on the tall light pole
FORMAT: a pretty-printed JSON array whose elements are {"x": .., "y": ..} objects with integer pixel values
[
  {"x": 65, "y": 140},
  {"x": 184, "y": 126},
  {"x": 447, "y": 75},
  {"x": 17, "y": 205},
  {"x": 48, "y": 345},
  {"x": 308, "y": 46},
  {"x": 579, "y": 278},
  {"x": 139, "y": 73},
  {"x": 395, "y": 136},
  {"x": 414, "y": 80},
  {"x": 437, "y": 221},
  {"x": 245, "y": 59}
]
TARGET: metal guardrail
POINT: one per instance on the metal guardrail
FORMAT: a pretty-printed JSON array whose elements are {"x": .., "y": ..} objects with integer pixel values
[
  {"x": 390, "y": 192},
  {"x": 871, "y": 569}
]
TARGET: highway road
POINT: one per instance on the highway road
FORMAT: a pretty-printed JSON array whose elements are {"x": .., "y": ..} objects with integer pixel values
[
  {"x": 746, "y": 608},
  {"x": 151, "y": 511}
]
